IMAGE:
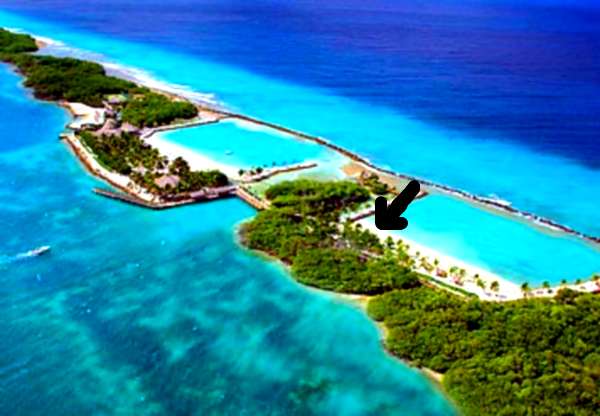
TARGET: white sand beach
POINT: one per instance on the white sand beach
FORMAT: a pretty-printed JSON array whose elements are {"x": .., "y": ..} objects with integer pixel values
[
  {"x": 507, "y": 290},
  {"x": 196, "y": 160}
]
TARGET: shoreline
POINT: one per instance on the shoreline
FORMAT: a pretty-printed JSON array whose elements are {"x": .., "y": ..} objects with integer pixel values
[
  {"x": 218, "y": 111},
  {"x": 209, "y": 115},
  {"x": 355, "y": 300},
  {"x": 445, "y": 189},
  {"x": 507, "y": 290},
  {"x": 91, "y": 164}
]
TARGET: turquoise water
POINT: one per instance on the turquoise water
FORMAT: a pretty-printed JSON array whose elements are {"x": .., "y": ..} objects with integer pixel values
[
  {"x": 512, "y": 249},
  {"x": 243, "y": 146},
  {"x": 514, "y": 172},
  {"x": 177, "y": 321},
  {"x": 451, "y": 157}
]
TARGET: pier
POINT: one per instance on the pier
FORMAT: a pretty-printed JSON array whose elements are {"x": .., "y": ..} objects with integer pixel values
[
  {"x": 256, "y": 202},
  {"x": 149, "y": 132},
  {"x": 204, "y": 195},
  {"x": 535, "y": 219},
  {"x": 277, "y": 171}
]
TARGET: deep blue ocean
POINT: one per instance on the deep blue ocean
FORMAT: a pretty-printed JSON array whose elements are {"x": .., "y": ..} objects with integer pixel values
[
  {"x": 496, "y": 97},
  {"x": 137, "y": 312},
  {"x": 511, "y": 70}
]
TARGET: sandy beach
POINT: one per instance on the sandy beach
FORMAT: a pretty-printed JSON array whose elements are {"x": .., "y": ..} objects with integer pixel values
[
  {"x": 196, "y": 160},
  {"x": 507, "y": 290}
]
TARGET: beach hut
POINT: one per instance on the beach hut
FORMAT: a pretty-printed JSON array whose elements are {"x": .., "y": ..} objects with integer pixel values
[{"x": 167, "y": 181}]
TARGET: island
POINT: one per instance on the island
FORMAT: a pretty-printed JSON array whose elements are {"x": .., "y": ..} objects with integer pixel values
[{"x": 528, "y": 353}]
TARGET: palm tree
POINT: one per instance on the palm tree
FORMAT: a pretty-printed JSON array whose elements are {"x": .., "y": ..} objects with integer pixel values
[
  {"x": 495, "y": 286},
  {"x": 481, "y": 283},
  {"x": 525, "y": 289},
  {"x": 546, "y": 285},
  {"x": 389, "y": 242},
  {"x": 241, "y": 172}
]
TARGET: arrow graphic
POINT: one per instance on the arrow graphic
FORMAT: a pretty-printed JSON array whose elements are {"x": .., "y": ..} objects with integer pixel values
[{"x": 387, "y": 217}]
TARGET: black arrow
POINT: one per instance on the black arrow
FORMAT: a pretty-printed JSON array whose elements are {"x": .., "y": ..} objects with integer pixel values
[{"x": 388, "y": 217}]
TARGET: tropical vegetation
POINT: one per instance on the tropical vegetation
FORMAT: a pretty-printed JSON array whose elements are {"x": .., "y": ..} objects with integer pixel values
[
  {"x": 526, "y": 357},
  {"x": 152, "y": 109}
]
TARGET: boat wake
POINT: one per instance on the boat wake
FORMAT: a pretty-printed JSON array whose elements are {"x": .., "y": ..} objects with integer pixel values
[{"x": 38, "y": 251}]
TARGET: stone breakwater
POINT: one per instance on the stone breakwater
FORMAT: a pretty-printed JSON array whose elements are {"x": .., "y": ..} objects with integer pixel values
[{"x": 487, "y": 202}]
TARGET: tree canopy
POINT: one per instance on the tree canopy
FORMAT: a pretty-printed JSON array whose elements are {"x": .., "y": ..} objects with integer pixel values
[
  {"x": 535, "y": 356},
  {"x": 68, "y": 79},
  {"x": 152, "y": 109},
  {"x": 301, "y": 228},
  {"x": 11, "y": 42}
]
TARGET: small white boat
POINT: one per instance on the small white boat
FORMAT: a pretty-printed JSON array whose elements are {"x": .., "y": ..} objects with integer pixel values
[{"x": 35, "y": 252}]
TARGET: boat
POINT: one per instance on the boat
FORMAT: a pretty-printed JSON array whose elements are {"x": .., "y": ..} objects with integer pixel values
[
  {"x": 35, "y": 252},
  {"x": 228, "y": 152}
]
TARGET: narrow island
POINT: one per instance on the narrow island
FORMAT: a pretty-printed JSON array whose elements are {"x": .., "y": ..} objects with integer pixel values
[{"x": 533, "y": 355}]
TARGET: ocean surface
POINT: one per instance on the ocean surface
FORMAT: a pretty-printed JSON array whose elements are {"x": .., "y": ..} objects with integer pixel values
[
  {"x": 495, "y": 97},
  {"x": 182, "y": 321}
]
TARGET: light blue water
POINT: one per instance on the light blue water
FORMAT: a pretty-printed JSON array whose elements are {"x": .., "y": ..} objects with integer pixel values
[
  {"x": 530, "y": 180},
  {"x": 451, "y": 157},
  {"x": 512, "y": 249},
  {"x": 243, "y": 146},
  {"x": 180, "y": 321}
]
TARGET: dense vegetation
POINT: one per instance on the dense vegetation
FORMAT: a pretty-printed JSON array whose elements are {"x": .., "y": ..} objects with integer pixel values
[
  {"x": 123, "y": 153},
  {"x": 346, "y": 270},
  {"x": 127, "y": 154},
  {"x": 193, "y": 180},
  {"x": 11, "y": 43},
  {"x": 68, "y": 79},
  {"x": 74, "y": 80},
  {"x": 54, "y": 78},
  {"x": 301, "y": 228},
  {"x": 151, "y": 110},
  {"x": 529, "y": 357}
]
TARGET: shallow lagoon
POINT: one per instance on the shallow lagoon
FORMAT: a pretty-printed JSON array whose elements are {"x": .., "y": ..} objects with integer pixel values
[
  {"x": 513, "y": 249},
  {"x": 244, "y": 145}
]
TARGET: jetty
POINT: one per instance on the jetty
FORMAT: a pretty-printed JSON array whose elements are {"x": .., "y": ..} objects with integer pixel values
[
  {"x": 495, "y": 204},
  {"x": 149, "y": 132},
  {"x": 269, "y": 173},
  {"x": 246, "y": 195},
  {"x": 203, "y": 195}
]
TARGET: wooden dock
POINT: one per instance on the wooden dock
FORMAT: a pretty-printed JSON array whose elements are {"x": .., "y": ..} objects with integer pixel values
[
  {"x": 204, "y": 195},
  {"x": 269, "y": 173},
  {"x": 126, "y": 198},
  {"x": 245, "y": 195}
]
